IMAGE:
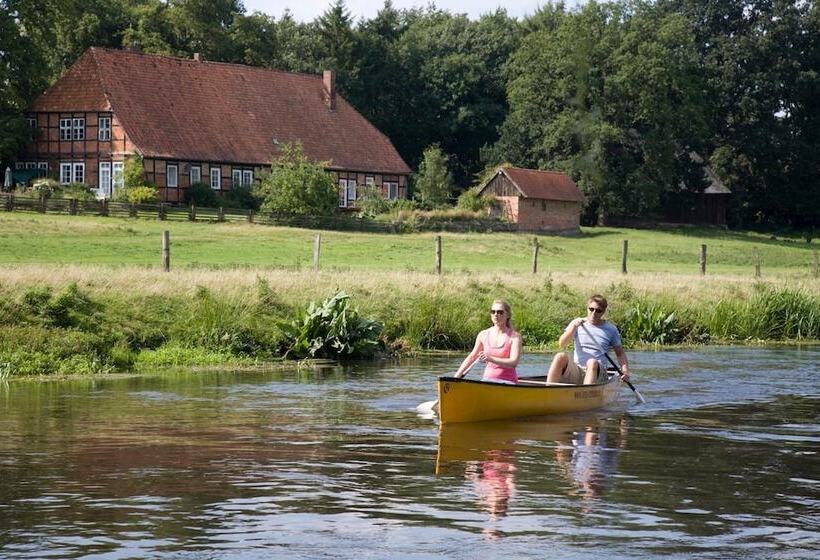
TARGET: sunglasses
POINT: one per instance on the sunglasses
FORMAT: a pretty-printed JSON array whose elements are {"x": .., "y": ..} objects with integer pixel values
[
  {"x": 595, "y": 310},
  {"x": 497, "y": 311}
]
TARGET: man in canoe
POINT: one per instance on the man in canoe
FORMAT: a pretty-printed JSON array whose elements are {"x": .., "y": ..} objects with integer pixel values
[
  {"x": 588, "y": 359},
  {"x": 499, "y": 347}
]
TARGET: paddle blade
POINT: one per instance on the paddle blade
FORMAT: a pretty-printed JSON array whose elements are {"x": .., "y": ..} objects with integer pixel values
[{"x": 427, "y": 406}]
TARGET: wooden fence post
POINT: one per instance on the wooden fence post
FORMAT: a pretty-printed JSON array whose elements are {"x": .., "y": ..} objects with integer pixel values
[
  {"x": 162, "y": 215},
  {"x": 535, "y": 255},
  {"x": 192, "y": 212},
  {"x": 72, "y": 206},
  {"x": 438, "y": 254},
  {"x": 757, "y": 263},
  {"x": 703, "y": 259},
  {"x": 816, "y": 265},
  {"x": 624, "y": 253},
  {"x": 250, "y": 216},
  {"x": 104, "y": 207},
  {"x": 166, "y": 251},
  {"x": 10, "y": 203},
  {"x": 43, "y": 204},
  {"x": 317, "y": 249},
  {"x": 132, "y": 210},
  {"x": 220, "y": 215}
]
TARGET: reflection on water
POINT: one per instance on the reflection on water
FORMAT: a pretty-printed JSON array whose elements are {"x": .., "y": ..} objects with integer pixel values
[
  {"x": 585, "y": 446},
  {"x": 334, "y": 463}
]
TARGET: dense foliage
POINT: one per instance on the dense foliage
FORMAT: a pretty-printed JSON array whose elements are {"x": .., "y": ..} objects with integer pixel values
[
  {"x": 297, "y": 186},
  {"x": 619, "y": 94}
]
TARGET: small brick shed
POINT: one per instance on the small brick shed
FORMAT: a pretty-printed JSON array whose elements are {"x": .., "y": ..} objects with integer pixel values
[{"x": 536, "y": 200}]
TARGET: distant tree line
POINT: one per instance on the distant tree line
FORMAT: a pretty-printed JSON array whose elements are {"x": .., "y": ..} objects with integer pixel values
[{"x": 618, "y": 94}]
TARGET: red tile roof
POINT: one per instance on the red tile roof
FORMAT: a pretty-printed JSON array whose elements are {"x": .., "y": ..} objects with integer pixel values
[
  {"x": 547, "y": 185},
  {"x": 211, "y": 111}
]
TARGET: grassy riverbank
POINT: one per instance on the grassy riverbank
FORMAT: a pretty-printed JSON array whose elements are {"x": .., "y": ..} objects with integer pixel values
[{"x": 76, "y": 319}]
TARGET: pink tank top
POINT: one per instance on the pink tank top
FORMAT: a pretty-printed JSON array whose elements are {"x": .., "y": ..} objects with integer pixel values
[{"x": 495, "y": 372}]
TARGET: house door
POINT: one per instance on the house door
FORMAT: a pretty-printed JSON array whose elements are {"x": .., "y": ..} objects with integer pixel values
[{"x": 104, "y": 186}]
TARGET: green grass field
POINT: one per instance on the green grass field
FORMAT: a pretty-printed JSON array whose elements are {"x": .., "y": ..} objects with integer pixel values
[{"x": 50, "y": 239}]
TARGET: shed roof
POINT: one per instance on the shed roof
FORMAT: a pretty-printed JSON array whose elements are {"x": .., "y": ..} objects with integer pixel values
[
  {"x": 211, "y": 111},
  {"x": 547, "y": 185}
]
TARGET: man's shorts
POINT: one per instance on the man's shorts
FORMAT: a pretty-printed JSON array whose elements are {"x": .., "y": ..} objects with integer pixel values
[{"x": 574, "y": 374}]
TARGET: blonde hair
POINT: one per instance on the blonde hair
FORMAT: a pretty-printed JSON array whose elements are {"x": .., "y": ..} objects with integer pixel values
[{"x": 507, "y": 309}]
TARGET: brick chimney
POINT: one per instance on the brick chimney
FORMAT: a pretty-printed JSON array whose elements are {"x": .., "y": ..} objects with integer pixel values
[{"x": 329, "y": 90}]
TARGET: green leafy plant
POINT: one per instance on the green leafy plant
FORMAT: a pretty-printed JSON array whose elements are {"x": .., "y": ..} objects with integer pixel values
[
  {"x": 651, "y": 324},
  {"x": 201, "y": 195},
  {"x": 296, "y": 185},
  {"x": 332, "y": 329},
  {"x": 145, "y": 194}
]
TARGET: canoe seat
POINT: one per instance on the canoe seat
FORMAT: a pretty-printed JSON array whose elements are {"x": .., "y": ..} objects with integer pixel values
[{"x": 543, "y": 384}]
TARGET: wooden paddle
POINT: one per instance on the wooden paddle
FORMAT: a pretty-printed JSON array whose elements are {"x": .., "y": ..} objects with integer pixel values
[{"x": 615, "y": 365}]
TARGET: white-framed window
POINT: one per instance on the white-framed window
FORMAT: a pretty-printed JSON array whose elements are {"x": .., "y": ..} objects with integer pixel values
[
  {"x": 32, "y": 122},
  {"x": 172, "y": 176},
  {"x": 19, "y": 165},
  {"x": 370, "y": 181},
  {"x": 78, "y": 129},
  {"x": 79, "y": 173},
  {"x": 347, "y": 193},
  {"x": 72, "y": 172},
  {"x": 117, "y": 177},
  {"x": 104, "y": 130},
  {"x": 65, "y": 173},
  {"x": 392, "y": 189},
  {"x": 216, "y": 178},
  {"x": 104, "y": 186},
  {"x": 65, "y": 129},
  {"x": 195, "y": 175},
  {"x": 31, "y": 165},
  {"x": 242, "y": 177}
]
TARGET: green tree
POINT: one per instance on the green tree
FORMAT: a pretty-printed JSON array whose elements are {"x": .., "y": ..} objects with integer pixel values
[
  {"x": 295, "y": 185},
  {"x": 22, "y": 77},
  {"x": 434, "y": 183},
  {"x": 610, "y": 94}
]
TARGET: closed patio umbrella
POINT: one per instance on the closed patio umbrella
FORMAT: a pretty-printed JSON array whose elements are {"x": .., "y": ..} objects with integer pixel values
[{"x": 7, "y": 179}]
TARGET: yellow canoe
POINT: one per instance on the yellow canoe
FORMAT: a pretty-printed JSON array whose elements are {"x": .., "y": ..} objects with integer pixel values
[{"x": 468, "y": 400}]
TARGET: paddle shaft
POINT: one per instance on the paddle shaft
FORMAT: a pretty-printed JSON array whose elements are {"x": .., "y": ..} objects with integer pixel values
[{"x": 611, "y": 361}]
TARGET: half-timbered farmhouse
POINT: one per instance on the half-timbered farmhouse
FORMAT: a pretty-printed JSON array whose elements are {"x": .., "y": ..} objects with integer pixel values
[
  {"x": 536, "y": 200},
  {"x": 195, "y": 121}
]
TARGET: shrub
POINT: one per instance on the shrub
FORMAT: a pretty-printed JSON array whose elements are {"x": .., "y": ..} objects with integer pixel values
[
  {"x": 470, "y": 201},
  {"x": 651, "y": 324},
  {"x": 332, "y": 330},
  {"x": 434, "y": 182},
  {"x": 45, "y": 188},
  {"x": 202, "y": 195},
  {"x": 372, "y": 203},
  {"x": 295, "y": 185},
  {"x": 240, "y": 197},
  {"x": 146, "y": 194},
  {"x": 78, "y": 191}
]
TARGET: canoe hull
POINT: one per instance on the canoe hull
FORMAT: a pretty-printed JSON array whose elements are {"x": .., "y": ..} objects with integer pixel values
[{"x": 467, "y": 400}]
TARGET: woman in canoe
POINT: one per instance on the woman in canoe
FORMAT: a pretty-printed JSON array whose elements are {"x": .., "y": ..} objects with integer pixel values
[{"x": 499, "y": 347}]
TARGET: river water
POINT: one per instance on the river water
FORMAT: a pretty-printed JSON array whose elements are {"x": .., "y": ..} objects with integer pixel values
[{"x": 335, "y": 463}]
